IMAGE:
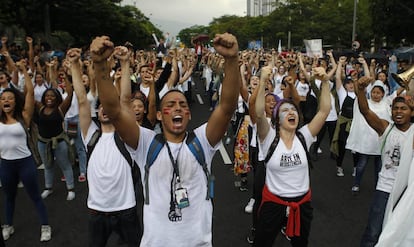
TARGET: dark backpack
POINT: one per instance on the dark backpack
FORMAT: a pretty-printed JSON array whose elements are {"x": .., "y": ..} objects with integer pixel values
[
  {"x": 135, "y": 172},
  {"x": 196, "y": 149}
]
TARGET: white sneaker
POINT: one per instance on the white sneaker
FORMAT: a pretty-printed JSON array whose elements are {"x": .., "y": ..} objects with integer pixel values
[
  {"x": 319, "y": 150},
  {"x": 71, "y": 196},
  {"x": 339, "y": 172},
  {"x": 249, "y": 207},
  {"x": 7, "y": 231},
  {"x": 46, "y": 193},
  {"x": 20, "y": 185},
  {"x": 45, "y": 233}
]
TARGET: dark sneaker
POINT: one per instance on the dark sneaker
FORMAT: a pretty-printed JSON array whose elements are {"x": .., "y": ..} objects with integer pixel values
[{"x": 243, "y": 186}]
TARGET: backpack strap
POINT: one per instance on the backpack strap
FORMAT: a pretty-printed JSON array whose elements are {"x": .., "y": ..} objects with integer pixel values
[
  {"x": 303, "y": 142},
  {"x": 383, "y": 142},
  {"x": 195, "y": 147},
  {"x": 271, "y": 149},
  {"x": 92, "y": 143},
  {"x": 156, "y": 145},
  {"x": 133, "y": 165},
  {"x": 120, "y": 145}
]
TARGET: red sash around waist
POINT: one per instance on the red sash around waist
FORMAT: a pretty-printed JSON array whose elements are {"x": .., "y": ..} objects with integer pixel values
[{"x": 293, "y": 223}]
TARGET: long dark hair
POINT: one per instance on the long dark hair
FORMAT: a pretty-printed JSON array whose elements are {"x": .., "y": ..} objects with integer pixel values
[{"x": 18, "y": 109}]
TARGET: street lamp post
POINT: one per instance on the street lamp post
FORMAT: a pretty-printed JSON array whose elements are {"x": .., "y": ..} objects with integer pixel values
[{"x": 354, "y": 20}]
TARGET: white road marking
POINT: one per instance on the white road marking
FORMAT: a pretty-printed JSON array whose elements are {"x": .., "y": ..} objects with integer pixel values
[
  {"x": 225, "y": 155},
  {"x": 200, "y": 100}
]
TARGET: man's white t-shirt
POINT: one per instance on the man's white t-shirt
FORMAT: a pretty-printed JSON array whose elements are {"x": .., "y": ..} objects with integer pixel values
[
  {"x": 144, "y": 90},
  {"x": 109, "y": 175},
  {"x": 287, "y": 172},
  {"x": 195, "y": 228},
  {"x": 395, "y": 140}
]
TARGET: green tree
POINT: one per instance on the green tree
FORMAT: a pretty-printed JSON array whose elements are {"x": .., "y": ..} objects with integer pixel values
[
  {"x": 392, "y": 22},
  {"x": 81, "y": 19}
]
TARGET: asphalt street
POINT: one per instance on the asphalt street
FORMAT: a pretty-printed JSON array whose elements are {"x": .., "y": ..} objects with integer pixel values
[{"x": 339, "y": 216}]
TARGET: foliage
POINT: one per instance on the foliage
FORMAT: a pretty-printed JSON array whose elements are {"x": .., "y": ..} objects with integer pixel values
[
  {"x": 77, "y": 21},
  {"x": 188, "y": 33},
  {"x": 82, "y": 19},
  {"x": 393, "y": 21}
]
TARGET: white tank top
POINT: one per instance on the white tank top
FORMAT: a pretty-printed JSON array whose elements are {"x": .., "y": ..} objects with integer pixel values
[{"x": 13, "y": 142}]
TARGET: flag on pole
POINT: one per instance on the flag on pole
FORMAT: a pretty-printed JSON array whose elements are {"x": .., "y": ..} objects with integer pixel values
[{"x": 279, "y": 47}]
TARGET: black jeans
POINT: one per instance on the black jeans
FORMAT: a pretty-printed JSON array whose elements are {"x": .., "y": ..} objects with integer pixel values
[
  {"x": 272, "y": 217},
  {"x": 330, "y": 126},
  {"x": 124, "y": 222}
]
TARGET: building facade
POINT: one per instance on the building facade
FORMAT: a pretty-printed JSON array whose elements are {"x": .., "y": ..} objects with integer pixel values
[{"x": 262, "y": 7}]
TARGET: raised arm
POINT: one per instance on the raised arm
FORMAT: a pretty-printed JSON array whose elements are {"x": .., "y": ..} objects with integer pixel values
[
  {"x": 333, "y": 63},
  {"x": 73, "y": 55},
  {"x": 290, "y": 91},
  {"x": 101, "y": 48},
  {"x": 338, "y": 74},
  {"x": 252, "y": 106},
  {"x": 302, "y": 66},
  {"x": 362, "y": 60},
  {"x": 324, "y": 102},
  {"x": 174, "y": 73},
  {"x": 67, "y": 102},
  {"x": 263, "y": 125},
  {"x": 11, "y": 66},
  {"x": 30, "y": 52},
  {"x": 29, "y": 93},
  {"x": 243, "y": 85},
  {"x": 122, "y": 54},
  {"x": 378, "y": 124},
  {"x": 155, "y": 39},
  {"x": 226, "y": 45}
]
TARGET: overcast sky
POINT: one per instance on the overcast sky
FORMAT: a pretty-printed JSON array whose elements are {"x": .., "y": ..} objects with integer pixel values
[{"x": 173, "y": 15}]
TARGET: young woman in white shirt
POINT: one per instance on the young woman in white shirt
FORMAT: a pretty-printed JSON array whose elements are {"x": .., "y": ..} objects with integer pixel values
[{"x": 287, "y": 181}]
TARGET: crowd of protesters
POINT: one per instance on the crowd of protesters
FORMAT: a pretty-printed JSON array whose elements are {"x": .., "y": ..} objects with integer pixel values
[{"x": 275, "y": 109}]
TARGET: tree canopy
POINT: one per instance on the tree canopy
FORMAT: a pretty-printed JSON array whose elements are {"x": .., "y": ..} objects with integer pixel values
[
  {"x": 81, "y": 19},
  {"x": 379, "y": 22}
]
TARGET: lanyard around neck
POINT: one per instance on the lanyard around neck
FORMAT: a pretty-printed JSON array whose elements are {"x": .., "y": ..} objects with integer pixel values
[{"x": 174, "y": 162}]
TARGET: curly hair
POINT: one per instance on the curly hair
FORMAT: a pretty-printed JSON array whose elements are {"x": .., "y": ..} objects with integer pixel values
[
  {"x": 57, "y": 94},
  {"x": 18, "y": 109}
]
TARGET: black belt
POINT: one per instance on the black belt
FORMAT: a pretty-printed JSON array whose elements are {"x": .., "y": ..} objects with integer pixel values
[{"x": 113, "y": 213}]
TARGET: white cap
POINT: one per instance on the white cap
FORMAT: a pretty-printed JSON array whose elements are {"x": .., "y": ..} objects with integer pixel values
[{"x": 379, "y": 83}]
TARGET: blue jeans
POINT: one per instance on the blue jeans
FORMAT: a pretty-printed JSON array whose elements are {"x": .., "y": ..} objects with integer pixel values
[
  {"x": 62, "y": 159},
  {"x": 80, "y": 148},
  {"x": 125, "y": 223},
  {"x": 362, "y": 160},
  {"x": 25, "y": 170},
  {"x": 375, "y": 218}
]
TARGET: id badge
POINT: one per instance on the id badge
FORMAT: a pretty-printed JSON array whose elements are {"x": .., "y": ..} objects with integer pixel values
[{"x": 181, "y": 198}]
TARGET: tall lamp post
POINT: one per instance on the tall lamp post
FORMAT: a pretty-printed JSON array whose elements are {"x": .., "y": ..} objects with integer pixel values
[{"x": 354, "y": 20}]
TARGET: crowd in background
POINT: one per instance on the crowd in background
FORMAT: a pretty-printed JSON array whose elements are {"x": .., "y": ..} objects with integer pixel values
[{"x": 55, "y": 129}]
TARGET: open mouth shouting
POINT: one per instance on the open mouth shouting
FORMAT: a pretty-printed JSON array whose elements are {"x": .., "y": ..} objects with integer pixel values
[{"x": 177, "y": 121}]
